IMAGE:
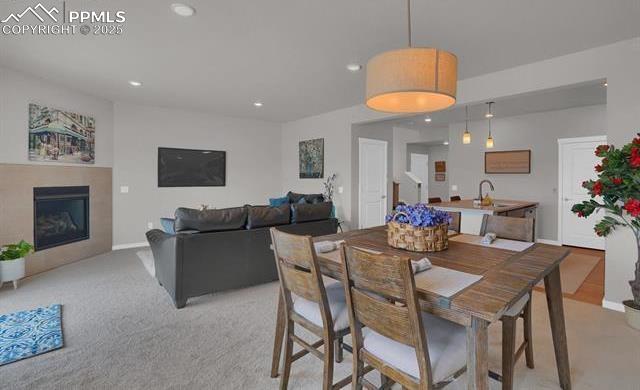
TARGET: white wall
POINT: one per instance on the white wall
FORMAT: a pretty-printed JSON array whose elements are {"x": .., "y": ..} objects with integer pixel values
[
  {"x": 253, "y": 164},
  {"x": 17, "y": 90},
  {"x": 335, "y": 128},
  {"x": 537, "y": 132}
]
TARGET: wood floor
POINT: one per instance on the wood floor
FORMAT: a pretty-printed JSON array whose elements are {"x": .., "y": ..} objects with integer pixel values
[{"x": 592, "y": 290}]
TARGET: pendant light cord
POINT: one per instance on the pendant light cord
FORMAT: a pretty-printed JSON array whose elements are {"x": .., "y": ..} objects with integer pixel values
[
  {"x": 409, "y": 21},
  {"x": 466, "y": 117}
]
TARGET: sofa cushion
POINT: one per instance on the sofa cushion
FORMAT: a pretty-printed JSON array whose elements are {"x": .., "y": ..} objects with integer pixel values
[
  {"x": 260, "y": 216},
  {"x": 210, "y": 220},
  {"x": 308, "y": 198},
  {"x": 305, "y": 212},
  {"x": 167, "y": 225},
  {"x": 274, "y": 202}
]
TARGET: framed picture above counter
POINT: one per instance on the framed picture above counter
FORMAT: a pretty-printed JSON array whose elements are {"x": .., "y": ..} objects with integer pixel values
[{"x": 508, "y": 161}]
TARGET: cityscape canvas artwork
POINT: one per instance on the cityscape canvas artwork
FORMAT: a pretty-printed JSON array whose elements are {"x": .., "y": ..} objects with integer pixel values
[
  {"x": 60, "y": 136},
  {"x": 311, "y": 158}
]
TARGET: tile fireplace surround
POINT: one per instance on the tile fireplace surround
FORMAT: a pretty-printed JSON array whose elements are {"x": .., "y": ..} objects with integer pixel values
[{"x": 16, "y": 210}]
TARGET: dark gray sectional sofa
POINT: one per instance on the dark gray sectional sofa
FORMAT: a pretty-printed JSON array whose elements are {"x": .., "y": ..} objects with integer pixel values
[{"x": 217, "y": 250}]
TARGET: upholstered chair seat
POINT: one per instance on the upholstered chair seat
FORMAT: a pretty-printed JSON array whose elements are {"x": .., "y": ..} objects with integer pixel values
[
  {"x": 337, "y": 305},
  {"x": 446, "y": 342}
]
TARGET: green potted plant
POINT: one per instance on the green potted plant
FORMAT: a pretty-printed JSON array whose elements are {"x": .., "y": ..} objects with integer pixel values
[
  {"x": 12, "y": 262},
  {"x": 617, "y": 190}
]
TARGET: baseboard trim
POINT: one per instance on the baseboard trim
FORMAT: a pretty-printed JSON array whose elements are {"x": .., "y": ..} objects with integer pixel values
[
  {"x": 131, "y": 245},
  {"x": 612, "y": 305},
  {"x": 549, "y": 242}
]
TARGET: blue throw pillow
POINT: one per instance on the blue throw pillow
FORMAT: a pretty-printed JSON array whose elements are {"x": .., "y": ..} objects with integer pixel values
[
  {"x": 275, "y": 202},
  {"x": 167, "y": 225}
]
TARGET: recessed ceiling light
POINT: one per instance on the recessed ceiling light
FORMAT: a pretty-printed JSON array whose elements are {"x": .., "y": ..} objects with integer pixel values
[
  {"x": 445, "y": 143},
  {"x": 134, "y": 83},
  {"x": 354, "y": 67},
  {"x": 258, "y": 104},
  {"x": 183, "y": 9},
  {"x": 427, "y": 119}
]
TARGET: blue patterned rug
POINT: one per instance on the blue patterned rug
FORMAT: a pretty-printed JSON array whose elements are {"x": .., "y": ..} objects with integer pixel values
[{"x": 27, "y": 333}]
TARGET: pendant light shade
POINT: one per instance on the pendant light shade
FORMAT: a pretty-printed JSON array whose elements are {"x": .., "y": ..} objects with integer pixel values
[
  {"x": 466, "y": 137},
  {"x": 490, "y": 142},
  {"x": 412, "y": 80}
]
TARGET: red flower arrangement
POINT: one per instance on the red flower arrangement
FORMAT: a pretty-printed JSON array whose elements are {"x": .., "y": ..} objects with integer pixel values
[{"x": 617, "y": 191}]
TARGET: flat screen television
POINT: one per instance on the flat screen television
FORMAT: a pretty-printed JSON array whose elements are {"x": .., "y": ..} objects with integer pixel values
[{"x": 191, "y": 168}]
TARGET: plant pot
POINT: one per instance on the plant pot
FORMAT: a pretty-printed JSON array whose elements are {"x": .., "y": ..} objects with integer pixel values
[
  {"x": 632, "y": 313},
  {"x": 12, "y": 271}
]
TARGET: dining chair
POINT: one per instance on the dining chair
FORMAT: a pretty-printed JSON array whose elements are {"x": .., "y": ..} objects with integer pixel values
[
  {"x": 520, "y": 229},
  {"x": 321, "y": 309},
  {"x": 435, "y": 200},
  {"x": 510, "y": 228},
  {"x": 407, "y": 346},
  {"x": 455, "y": 221},
  {"x": 454, "y": 198}
]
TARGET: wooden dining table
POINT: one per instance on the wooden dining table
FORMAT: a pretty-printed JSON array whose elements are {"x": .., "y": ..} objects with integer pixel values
[{"x": 507, "y": 275}]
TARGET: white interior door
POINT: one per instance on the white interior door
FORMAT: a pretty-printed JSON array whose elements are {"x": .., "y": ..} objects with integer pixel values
[
  {"x": 576, "y": 165},
  {"x": 420, "y": 168},
  {"x": 372, "y": 182}
]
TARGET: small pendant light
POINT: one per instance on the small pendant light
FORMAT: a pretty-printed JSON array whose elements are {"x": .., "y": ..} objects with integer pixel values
[
  {"x": 466, "y": 137},
  {"x": 489, "y": 115}
]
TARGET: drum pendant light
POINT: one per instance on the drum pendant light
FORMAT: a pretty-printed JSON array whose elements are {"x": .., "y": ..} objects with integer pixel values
[{"x": 412, "y": 80}]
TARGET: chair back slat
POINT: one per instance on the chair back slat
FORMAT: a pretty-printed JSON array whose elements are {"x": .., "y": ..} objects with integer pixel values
[
  {"x": 455, "y": 220},
  {"x": 375, "y": 273},
  {"x": 510, "y": 228},
  {"x": 300, "y": 282},
  {"x": 294, "y": 249},
  {"x": 435, "y": 200},
  {"x": 383, "y": 317}
]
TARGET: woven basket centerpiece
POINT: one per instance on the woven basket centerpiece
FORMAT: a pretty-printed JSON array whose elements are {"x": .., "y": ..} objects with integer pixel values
[{"x": 410, "y": 229}]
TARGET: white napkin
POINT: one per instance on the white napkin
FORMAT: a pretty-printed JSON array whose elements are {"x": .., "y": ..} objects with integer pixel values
[
  {"x": 420, "y": 265},
  {"x": 325, "y": 246},
  {"x": 488, "y": 238}
]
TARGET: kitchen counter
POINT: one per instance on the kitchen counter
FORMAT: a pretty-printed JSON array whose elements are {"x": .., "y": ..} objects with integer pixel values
[
  {"x": 471, "y": 216},
  {"x": 499, "y": 205}
]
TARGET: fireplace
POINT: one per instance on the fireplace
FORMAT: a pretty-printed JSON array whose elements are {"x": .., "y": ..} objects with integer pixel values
[{"x": 60, "y": 215}]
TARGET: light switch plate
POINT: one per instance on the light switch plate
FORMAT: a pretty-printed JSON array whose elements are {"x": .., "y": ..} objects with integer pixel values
[
  {"x": 454, "y": 187},
  {"x": 340, "y": 190},
  {"x": 149, "y": 225},
  {"x": 124, "y": 189}
]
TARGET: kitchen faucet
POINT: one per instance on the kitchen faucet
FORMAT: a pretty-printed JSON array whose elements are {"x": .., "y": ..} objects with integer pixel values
[{"x": 480, "y": 188}]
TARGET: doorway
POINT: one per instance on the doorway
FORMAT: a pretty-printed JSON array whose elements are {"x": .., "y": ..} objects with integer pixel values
[
  {"x": 372, "y": 192},
  {"x": 420, "y": 168},
  {"x": 576, "y": 161}
]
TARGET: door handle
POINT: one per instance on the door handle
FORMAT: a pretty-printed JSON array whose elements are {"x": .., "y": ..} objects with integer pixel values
[
  {"x": 383, "y": 197},
  {"x": 567, "y": 199}
]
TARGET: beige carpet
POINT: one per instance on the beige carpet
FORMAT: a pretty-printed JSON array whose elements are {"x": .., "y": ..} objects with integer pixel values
[
  {"x": 574, "y": 270},
  {"x": 121, "y": 332}
]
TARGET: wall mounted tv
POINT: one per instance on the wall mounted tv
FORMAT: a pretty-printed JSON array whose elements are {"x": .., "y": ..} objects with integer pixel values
[{"x": 191, "y": 168}]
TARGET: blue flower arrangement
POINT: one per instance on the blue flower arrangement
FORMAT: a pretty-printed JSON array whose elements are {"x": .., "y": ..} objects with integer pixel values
[{"x": 419, "y": 215}]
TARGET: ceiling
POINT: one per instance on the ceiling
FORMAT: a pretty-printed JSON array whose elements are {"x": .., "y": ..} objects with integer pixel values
[
  {"x": 291, "y": 54},
  {"x": 587, "y": 94}
]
